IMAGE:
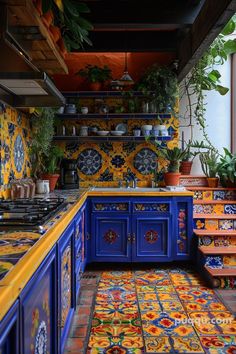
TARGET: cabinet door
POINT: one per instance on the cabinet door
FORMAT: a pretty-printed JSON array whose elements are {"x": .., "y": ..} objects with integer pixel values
[
  {"x": 110, "y": 239},
  {"x": 65, "y": 284},
  {"x": 183, "y": 241},
  {"x": 151, "y": 239},
  {"x": 38, "y": 304},
  {"x": 9, "y": 331}
]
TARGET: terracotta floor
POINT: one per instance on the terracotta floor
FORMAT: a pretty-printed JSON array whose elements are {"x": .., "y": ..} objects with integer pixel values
[{"x": 153, "y": 299}]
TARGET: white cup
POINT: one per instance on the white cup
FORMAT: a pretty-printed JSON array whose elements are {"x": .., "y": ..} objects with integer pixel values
[{"x": 84, "y": 110}]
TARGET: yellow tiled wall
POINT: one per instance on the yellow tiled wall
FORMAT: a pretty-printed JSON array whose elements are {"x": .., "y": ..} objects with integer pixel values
[{"x": 14, "y": 135}]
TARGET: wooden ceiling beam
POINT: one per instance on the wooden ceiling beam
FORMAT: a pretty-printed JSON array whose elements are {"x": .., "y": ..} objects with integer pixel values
[
  {"x": 182, "y": 12},
  {"x": 144, "y": 41},
  {"x": 211, "y": 20}
]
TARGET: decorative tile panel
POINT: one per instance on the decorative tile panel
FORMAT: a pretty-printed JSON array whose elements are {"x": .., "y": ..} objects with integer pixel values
[
  {"x": 207, "y": 195},
  {"x": 214, "y": 262},
  {"x": 110, "y": 206},
  {"x": 225, "y": 224},
  {"x": 211, "y": 225},
  {"x": 198, "y": 195},
  {"x": 108, "y": 162},
  {"x": 229, "y": 261},
  {"x": 65, "y": 284},
  {"x": 160, "y": 208},
  {"x": 182, "y": 228},
  {"x": 230, "y": 208},
  {"x": 14, "y": 145}
]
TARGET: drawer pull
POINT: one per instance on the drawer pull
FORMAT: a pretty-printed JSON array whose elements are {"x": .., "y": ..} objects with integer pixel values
[{"x": 129, "y": 237}]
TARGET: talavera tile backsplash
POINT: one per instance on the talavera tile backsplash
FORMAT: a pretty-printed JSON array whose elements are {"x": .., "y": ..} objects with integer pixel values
[
  {"x": 104, "y": 164},
  {"x": 14, "y": 138}
]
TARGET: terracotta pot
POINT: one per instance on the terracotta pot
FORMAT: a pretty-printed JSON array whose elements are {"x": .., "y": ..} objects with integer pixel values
[
  {"x": 95, "y": 86},
  {"x": 47, "y": 18},
  {"x": 213, "y": 182},
  {"x": 185, "y": 167},
  {"x": 172, "y": 178},
  {"x": 52, "y": 180},
  {"x": 55, "y": 33}
]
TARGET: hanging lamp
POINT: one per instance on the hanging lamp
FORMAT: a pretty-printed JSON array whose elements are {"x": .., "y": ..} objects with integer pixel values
[{"x": 126, "y": 79}]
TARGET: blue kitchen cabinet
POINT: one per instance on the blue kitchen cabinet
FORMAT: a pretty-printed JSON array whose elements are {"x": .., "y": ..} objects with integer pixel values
[
  {"x": 151, "y": 239},
  {"x": 9, "y": 331},
  {"x": 66, "y": 284},
  {"x": 38, "y": 310},
  {"x": 111, "y": 237}
]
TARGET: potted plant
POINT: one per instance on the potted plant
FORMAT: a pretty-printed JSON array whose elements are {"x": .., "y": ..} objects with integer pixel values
[
  {"x": 44, "y": 155},
  {"x": 51, "y": 162},
  {"x": 160, "y": 85},
  {"x": 173, "y": 156},
  {"x": 209, "y": 164},
  {"x": 95, "y": 75},
  {"x": 227, "y": 169}
]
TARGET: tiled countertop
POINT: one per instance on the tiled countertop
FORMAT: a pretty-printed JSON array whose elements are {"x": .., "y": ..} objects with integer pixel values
[{"x": 21, "y": 252}]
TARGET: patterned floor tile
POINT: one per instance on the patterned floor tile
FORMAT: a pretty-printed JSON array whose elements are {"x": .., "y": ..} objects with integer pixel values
[
  {"x": 117, "y": 275},
  {"x": 149, "y": 306},
  {"x": 171, "y": 306},
  {"x": 107, "y": 342},
  {"x": 116, "y": 307},
  {"x": 219, "y": 344},
  {"x": 116, "y": 295},
  {"x": 145, "y": 288},
  {"x": 187, "y": 345},
  {"x": 113, "y": 330},
  {"x": 157, "y": 345},
  {"x": 165, "y": 289},
  {"x": 147, "y": 296}
]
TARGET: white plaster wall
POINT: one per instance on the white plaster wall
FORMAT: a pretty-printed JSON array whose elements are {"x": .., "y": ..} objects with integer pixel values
[{"x": 217, "y": 117}]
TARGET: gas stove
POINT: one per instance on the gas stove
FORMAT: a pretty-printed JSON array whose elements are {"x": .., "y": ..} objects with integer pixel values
[{"x": 28, "y": 214}]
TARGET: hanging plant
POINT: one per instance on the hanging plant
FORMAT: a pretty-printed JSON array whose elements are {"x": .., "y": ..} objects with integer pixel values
[{"x": 67, "y": 16}]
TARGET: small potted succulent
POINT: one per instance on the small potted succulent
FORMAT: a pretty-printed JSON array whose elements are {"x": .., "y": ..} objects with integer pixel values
[
  {"x": 95, "y": 75},
  {"x": 209, "y": 164},
  {"x": 227, "y": 169},
  {"x": 173, "y": 156},
  {"x": 187, "y": 161}
]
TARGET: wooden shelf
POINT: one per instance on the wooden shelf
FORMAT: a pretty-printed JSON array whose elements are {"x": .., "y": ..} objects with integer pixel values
[
  {"x": 108, "y": 116},
  {"x": 44, "y": 52},
  {"x": 103, "y": 94},
  {"x": 215, "y": 233},
  {"x": 214, "y": 216},
  {"x": 217, "y": 250},
  {"x": 205, "y": 202},
  {"x": 224, "y": 272},
  {"x": 106, "y": 138}
]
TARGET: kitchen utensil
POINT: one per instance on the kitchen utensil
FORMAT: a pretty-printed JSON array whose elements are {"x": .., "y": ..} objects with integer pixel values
[
  {"x": 117, "y": 132},
  {"x": 122, "y": 127},
  {"x": 83, "y": 130},
  {"x": 146, "y": 127},
  {"x": 102, "y": 132}
]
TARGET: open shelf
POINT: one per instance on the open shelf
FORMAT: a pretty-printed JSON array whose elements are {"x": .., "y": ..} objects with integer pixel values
[
  {"x": 115, "y": 116},
  {"x": 44, "y": 52},
  {"x": 107, "y": 138},
  {"x": 104, "y": 94}
]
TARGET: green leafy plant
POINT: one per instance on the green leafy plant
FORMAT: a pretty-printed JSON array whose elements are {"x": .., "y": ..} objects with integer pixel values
[
  {"x": 52, "y": 159},
  {"x": 42, "y": 136},
  {"x": 94, "y": 73},
  {"x": 159, "y": 83},
  {"x": 227, "y": 168},
  {"x": 173, "y": 156},
  {"x": 209, "y": 163},
  {"x": 67, "y": 16},
  {"x": 205, "y": 77}
]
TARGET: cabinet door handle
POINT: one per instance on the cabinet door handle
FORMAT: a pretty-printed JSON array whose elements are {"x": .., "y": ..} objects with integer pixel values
[
  {"x": 129, "y": 237},
  {"x": 133, "y": 237}
]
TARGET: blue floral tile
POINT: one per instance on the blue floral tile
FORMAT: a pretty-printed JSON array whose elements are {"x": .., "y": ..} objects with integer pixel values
[
  {"x": 89, "y": 162},
  {"x": 106, "y": 147},
  {"x": 11, "y": 129},
  {"x": 230, "y": 209},
  {"x": 118, "y": 161},
  {"x": 19, "y": 154},
  {"x": 106, "y": 176},
  {"x": 214, "y": 262},
  {"x": 145, "y": 161},
  {"x": 218, "y": 195}
]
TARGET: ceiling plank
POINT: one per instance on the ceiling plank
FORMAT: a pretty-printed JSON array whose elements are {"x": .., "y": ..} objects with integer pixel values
[
  {"x": 211, "y": 20},
  {"x": 144, "y": 41},
  {"x": 182, "y": 12}
]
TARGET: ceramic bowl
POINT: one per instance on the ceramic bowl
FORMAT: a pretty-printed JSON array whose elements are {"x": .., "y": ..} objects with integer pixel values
[
  {"x": 146, "y": 127},
  {"x": 117, "y": 132},
  {"x": 102, "y": 132}
]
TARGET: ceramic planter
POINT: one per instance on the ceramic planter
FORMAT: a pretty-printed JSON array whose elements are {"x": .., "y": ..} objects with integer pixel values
[
  {"x": 52, "y": 178},
  {"x": 95, "y": 86},
  {"x": 172, "y": 178},
  {"x": 213, "y": 182},
  {"x": 185, "y": 167}
]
